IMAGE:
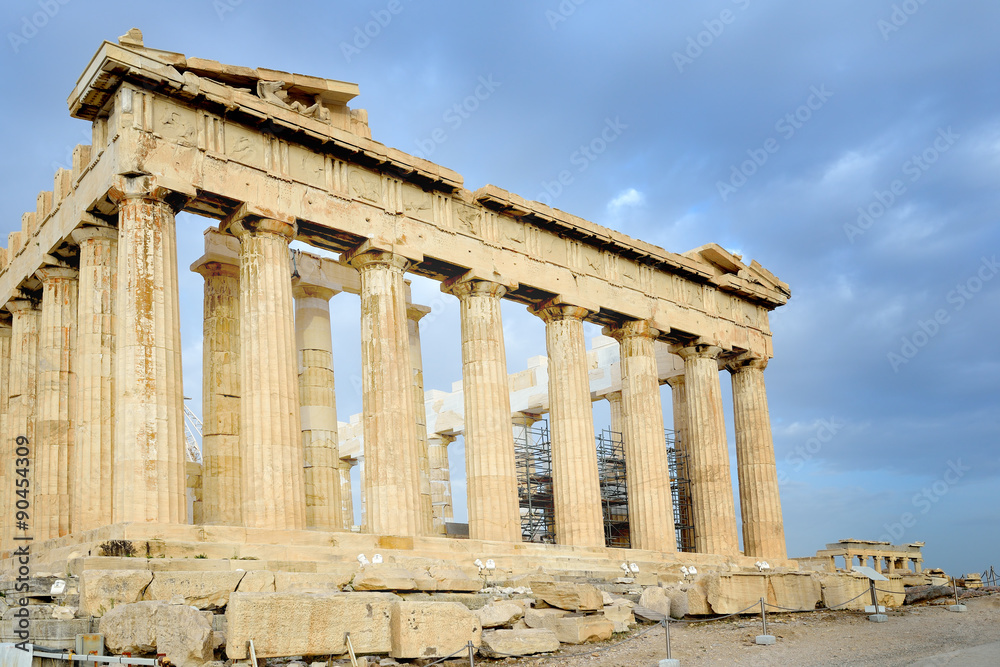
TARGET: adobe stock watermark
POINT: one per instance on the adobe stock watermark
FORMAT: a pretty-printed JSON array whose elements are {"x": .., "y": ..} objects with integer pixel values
[
  {"x": 223, "y": 7},
  {"x": 21, "y": 489},
  {"x": 786, "y": 127},
  {"x": 364, "y": 34},
  {"x": 926, "y": 330},
  {"x": 826, "y": 430},
  {"x": 582, "y": 158},
  {"x": 457, "y": 114},
  {"x": 899, "y": 17},
  {"x": 697, "y": 43},
  {"x": 562, "y": 12},
  {"x": 31, "y": 24},
  {"x": 913, "y": 169},
  {"x": 925, "y": 500}
]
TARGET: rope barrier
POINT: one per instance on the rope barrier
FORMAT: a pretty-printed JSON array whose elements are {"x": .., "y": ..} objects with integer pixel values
[
  {"x": 717, "y": 618},
  {"x": 801, "y": 611}
]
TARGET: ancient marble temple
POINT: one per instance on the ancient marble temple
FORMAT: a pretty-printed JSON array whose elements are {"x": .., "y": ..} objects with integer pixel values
[{"x": 91, "y": 353}]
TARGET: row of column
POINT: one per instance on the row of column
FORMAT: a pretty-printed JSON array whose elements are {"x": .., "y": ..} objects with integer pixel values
[{"x": 270, "y": 427}]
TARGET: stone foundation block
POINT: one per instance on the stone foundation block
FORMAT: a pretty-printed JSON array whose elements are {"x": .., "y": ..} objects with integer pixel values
[
  {"x": 283, "y": 624},
  {"x": 204, "y": 590},
  {"x": 309, "y": 582},
  {"x": 572, "y": 597},
  {"x": 500, "y": 643},
  {"x": 103, "y": 590},
  {"x": 183, "y": 634},
  {"x": 583, "y": 629},
  {"x": 432, "y": 629},
  {"x": 384, "y": 579},
  {"x": 499, "y": 614}
]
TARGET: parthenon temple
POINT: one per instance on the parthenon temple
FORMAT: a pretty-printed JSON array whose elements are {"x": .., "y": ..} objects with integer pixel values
[{"x": 90, "y": 346}]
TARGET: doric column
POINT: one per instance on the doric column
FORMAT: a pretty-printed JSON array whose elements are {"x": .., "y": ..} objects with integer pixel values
[
  {"x": 489, "y": 440},
  {"x": 647, "y": 476},
  {"x": 760, "y": 504},
  {"x": 273, "y": 487},
  {"x": 364, "y": 504},
  {"x": 7, "y": 486},
  {"x": 711, "y": 485},
  {"x": 617, "y": 416},
  {"x": 21, "y": 394},
  {"x": 56, "y": 401},
  {"x": 918, "y": 565},
  {"x": 94, "y": 362},
  {"x": 575, "y": 486},
  {"x": 392, "y": 478},
  {"x": 678, "y": 395},
  {"x": 318, "y": 398},
  {"x": 149, "y": 474},
  {"x": 222, "y": 502},
  {"x": 414, "y": 314},
  {"x": 437, "y": 446},
  {"x": 346, "y": 493}
]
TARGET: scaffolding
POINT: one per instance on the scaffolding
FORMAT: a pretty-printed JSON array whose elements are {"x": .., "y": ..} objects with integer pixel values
[
  {"x": 614, "y": 492},
  {"x": 680, "y": 491},
  {"x": 533, "y": 457}
]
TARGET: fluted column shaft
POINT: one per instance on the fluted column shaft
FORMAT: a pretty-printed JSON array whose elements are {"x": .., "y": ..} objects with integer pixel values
[
  {"x": 94, "y": 362},
  {"x": 56, "y": 401},
  {"x": 491, "y": 474},
  {"x": 222, "y": 502},
  {"x": 647, "y": 470},
  {"x": 617, "y": 416},
  {"x": 711, "y": 484},
  {"x": 21, "y": 400},
  {"x": 678, "y": 395},
  {"x": 318, "y": 398},
  {"x": 271, "y": 458},
  {"x": 7, "y": 485},
  {"x": 437, "y": 446},
  {"x": 392, "y": 478},
  {"x": 414, "y": 314},
  {"x": 346, "y": 494},
  {"x": 149, "y": 449},
  {"x": 575, "y": 486},
  {"x": 760, "y": 503}
]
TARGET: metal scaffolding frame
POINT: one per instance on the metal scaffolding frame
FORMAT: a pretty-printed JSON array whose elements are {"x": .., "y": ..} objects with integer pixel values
[{"x": 533, "y": 458}]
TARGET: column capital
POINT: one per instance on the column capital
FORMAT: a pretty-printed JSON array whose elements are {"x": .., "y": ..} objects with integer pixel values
[
  {"x": 363, "y": 259},
  {"x": 445, "y": 438},
  {"x": 550, "y": 311},
  {"x": 632, "y": 329},
  {"x": 49, "y": 273},
  {"x": 207, "y": 269},
  {"x": 675, "y": 381},
  {"x": 696, "y": 351},
  {"x": 18, "y": 305},
  {"x": 613, "y": 395},
  {"x": 248, "y": 220},
  {"x": 746, "y": 360},
  {"x": 415, "y": 312},
  {"x": 464, "y": 286},
  {"x": 81, "y": 235},
  {"x": 150, "y": 188},
  {"x": 301, "y": 290}
]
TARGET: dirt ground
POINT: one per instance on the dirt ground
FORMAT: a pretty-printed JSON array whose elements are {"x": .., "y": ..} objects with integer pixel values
[{"x": 923, "y": 635}]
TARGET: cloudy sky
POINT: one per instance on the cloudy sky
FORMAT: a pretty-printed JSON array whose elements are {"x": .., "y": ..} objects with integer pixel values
[{"x": 853, "y": 148}]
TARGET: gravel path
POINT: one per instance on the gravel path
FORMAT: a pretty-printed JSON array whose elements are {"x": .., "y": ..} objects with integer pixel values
[{"x": 925, "y": 635}]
